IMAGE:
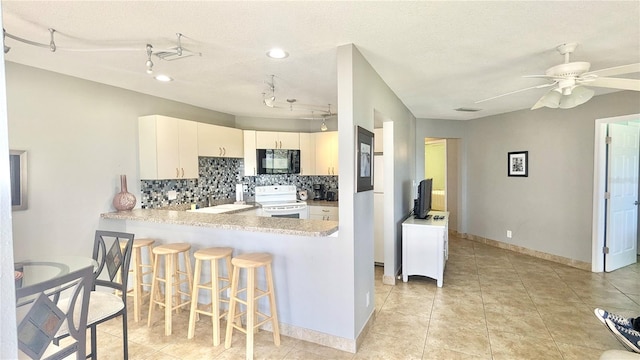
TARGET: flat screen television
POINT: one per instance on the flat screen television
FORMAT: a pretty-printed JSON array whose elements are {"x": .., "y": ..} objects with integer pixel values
[{"x": 422, "y": 204}]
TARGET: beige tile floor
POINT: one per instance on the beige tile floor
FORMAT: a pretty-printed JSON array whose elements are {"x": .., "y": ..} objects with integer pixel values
[{"x": 495, "y": 304}]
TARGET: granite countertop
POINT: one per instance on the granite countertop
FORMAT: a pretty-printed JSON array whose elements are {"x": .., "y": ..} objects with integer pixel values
[
  {"x": 322, "y": 203},
  {"x": 282, "y": 226}
]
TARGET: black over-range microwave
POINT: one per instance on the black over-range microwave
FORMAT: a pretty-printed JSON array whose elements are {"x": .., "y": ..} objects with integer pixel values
[{"x": 278, "y": 161}]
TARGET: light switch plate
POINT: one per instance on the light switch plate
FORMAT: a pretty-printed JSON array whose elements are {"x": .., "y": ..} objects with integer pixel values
[{"x": 172, "y": 194}]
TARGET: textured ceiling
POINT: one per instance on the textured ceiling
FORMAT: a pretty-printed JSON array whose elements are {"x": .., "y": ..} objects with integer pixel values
[{"x": 435, "y": 55}]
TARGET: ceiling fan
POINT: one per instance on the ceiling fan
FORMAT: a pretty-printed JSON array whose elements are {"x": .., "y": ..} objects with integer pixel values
[{"x": 570, "y": 81}]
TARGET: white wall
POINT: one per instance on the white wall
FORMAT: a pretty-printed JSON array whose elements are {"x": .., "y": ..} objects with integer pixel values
[
  {"x": 361, "y": 92},
  {"x": 80, "y": 136},
  {"x": 8, "y": 334}
]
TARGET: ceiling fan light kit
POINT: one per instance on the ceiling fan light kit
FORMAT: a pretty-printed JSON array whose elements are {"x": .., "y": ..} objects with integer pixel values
[{"x": 571, "y": 79}]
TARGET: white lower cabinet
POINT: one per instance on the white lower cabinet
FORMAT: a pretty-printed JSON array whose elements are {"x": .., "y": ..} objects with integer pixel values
[
  {"x": 425, "y": 246},
  {"x": 327, "y": 213}
]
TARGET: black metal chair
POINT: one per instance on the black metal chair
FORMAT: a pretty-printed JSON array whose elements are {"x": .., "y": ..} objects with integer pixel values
[
  {"x": 112, "y": 259},
  {"x": 104, "y": 306},
  {"x": 41, "y": 315}
]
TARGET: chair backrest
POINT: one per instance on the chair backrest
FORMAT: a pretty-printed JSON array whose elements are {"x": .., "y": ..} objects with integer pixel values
[
  {"x": 113, "y": 260},
  {"x": 39, "y": 315}
]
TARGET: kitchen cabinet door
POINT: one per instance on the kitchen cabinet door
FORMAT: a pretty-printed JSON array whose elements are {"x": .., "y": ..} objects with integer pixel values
[
  {"x": 289, "y": 140},
  {"x": 250, "y": 155},
  {"x": 168, "y": 148},
  {"x": 219, "y": 141},
  {"x": 326, "y": 153},
  {"x": 188, "y": 149},
  {"x": 307, "y": 154},
  {"x": 277, "y": 140},
  {"x": 326, "y": 213}
]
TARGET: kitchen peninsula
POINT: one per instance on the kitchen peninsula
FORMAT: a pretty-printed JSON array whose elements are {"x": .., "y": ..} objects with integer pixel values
[{"x": 303, "y": 251}]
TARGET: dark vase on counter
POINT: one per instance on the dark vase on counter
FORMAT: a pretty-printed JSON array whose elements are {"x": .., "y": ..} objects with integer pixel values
[{"x": 124, "y": 200}]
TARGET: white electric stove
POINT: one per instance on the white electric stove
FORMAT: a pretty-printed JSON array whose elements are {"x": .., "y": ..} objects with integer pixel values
[{"x": 280, "y": 201}]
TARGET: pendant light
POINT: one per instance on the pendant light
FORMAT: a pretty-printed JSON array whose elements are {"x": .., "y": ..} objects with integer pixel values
[{"x": 323, "y": 127}]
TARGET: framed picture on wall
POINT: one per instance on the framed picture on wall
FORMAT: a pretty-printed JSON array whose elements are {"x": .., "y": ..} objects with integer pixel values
[
  {"x": 18, "y": 175},
  {"x": 364, "y": 159},
  {"x": 518, "y": 163}
]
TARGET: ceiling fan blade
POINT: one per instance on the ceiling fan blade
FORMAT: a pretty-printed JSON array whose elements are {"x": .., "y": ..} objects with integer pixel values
[
  {"x": 539, "y": 76},
  {"x": 549, "y": 99},
  {"x": 614, "y": 83},
  {"x": 517, "y": 91},
  {"x": 618, "y": 70}
]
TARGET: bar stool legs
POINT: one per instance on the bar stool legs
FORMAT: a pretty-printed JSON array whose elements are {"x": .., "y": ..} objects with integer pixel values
[
  {"x": 172, "y": 280},
  {"x": 138, "y": 271},
  {"x": 251, "y": 262},
  {"x": 213, "y": 255}
]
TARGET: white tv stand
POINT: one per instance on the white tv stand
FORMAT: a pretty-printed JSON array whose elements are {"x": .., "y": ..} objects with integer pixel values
[{"x": 425, "y": 246}]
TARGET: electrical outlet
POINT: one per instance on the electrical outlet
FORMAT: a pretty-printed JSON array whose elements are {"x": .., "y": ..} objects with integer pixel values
[
  {"x": 367, "y": 300},
  {"x": 509, "y": 234},
  {"x": 172, "y": 194}
]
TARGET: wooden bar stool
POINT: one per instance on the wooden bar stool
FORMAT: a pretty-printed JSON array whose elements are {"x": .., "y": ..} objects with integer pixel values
[
  {"x": 172, "y": 280},
  {"x": 213, "y": 255},
  {"x": 139, "y": 270},
  {"x": 251, "y": 262}
]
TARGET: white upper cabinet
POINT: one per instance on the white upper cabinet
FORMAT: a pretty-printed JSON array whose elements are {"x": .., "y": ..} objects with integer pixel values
[
  {"x": 307, "y": 154},
  {"x": 277, "y": 140},
  {"x": 250, "y": 156},
  {"x": 219, "y": 141},
  {"x": 326, "y": 153},
  {"x": 167, "y": 148}
]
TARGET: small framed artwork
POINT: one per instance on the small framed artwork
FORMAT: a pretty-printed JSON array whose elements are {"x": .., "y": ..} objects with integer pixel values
[
  {"x": 518, "y": 163},
  {"x": 18, "y": 175},
  {"x": 364, "y": 159}
]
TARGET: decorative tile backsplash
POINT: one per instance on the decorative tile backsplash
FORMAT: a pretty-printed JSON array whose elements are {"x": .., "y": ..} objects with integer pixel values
[{"x": 217, "y": 181}]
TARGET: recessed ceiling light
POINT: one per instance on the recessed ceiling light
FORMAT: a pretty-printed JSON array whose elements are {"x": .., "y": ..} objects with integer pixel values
[
  {"x": 277, "y": 53},
  {"x": 163, "y": 78}
]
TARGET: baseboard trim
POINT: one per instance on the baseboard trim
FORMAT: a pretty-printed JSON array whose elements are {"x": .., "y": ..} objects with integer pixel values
[{"x": 523, "y": 250}]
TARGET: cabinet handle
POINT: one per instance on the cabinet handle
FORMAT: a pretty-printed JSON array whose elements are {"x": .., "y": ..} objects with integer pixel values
[
  {"x": 182, "y": 172},
  {"x": 276, "y": 144},
  {"x": 329, "y": 170},
  {"x": 177, "y": 172},
  {"x": 325, "y": 210},
  {"x": 224, "y": 151},
  {"x": 280, "y": 144},
  {"x": 219, "y": 151}
]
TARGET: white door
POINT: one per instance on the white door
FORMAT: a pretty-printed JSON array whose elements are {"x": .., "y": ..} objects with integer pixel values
[{"x": 622, "y": 207}]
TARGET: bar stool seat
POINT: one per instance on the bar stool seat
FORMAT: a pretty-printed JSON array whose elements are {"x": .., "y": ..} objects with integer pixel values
[
  {"x": 213, "y": 255},
  {"x": 173, "y": 294},
  {"x": 251, "y": 262}
]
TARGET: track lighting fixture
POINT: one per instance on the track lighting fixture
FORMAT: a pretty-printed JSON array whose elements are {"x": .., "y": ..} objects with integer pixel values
[
  {"x": 52, "y": 43},
  {"x": 178, "y": 52},
  {"x": 149, "y": 63},
  {"x": 4, "y": 36},
  {"x": 323, "y": 127}
]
